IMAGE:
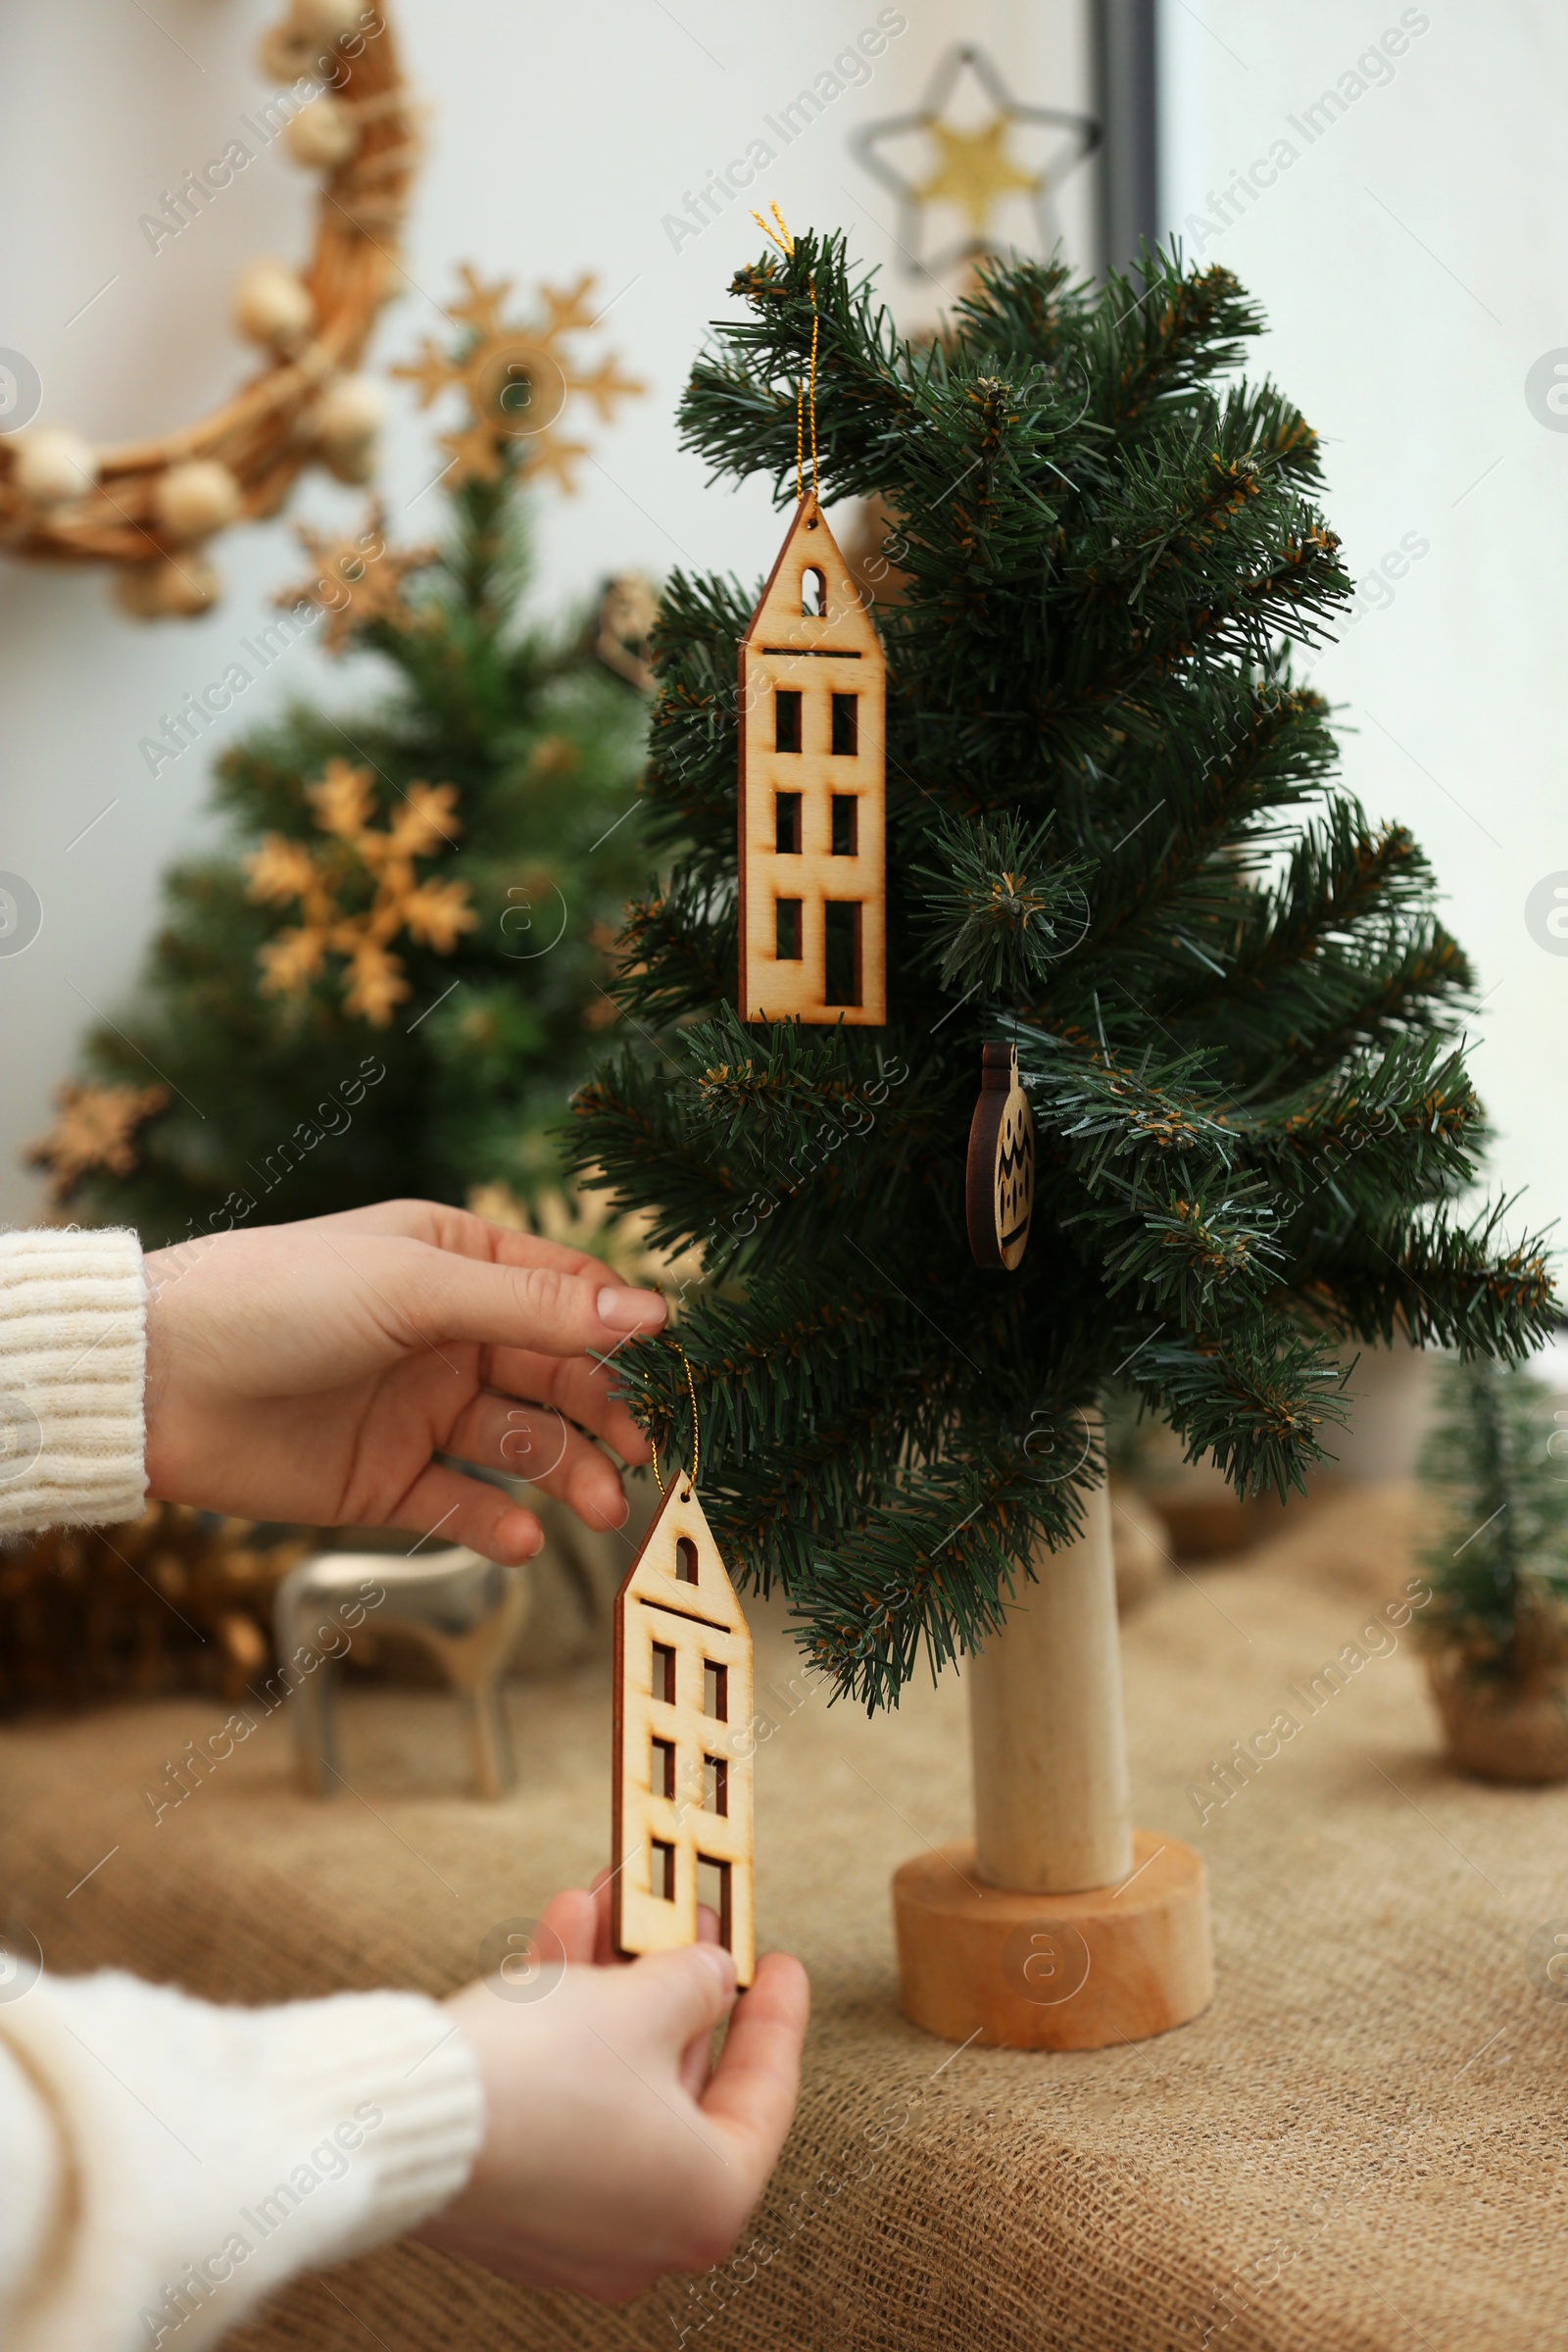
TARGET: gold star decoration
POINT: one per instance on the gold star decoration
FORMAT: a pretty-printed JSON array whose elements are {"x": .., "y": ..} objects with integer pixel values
[
  {"x": 974, "y": 172},
  {"x": 356, "y": 580},
  {"x": 517, "y": 379},
  {"x": 95, "y": 1128},
  {"x": 972, "y": 167},
  {"x": 359, "y": 858}
]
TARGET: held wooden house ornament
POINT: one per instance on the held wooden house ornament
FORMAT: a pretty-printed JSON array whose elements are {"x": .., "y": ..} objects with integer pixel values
[
  {"x": 811, "y": 798},
  {"x": 999, "y": 1178},
  {"x": 681, "y": 1830}
]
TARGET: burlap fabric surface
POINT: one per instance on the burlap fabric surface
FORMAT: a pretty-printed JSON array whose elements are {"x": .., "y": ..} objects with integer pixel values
[{"x": 1360, "y": 2145}]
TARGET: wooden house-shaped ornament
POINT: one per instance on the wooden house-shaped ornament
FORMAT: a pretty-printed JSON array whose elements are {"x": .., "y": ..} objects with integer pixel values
[
  {"x": 682, "y": 1805},
  {"x": 812, "y": 811}
]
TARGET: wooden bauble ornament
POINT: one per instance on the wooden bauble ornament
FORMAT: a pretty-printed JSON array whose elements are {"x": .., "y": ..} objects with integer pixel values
[
  {"x": 197, "y": 499},
  {"x": 273, "y": 306},
  {"x": 53, "y": 465},
  {"x": 322, "y": 135},
  {"x": 285, "y": 53},
  {"x": 176, "y": 586},
  {"x": 683, "y": 1741},
  {"x": 349, "y": 415},
  {"x": 813, "y": 793},
  {"x": 1000, "y": 1180},
  {"x": 327, "y": 19}
]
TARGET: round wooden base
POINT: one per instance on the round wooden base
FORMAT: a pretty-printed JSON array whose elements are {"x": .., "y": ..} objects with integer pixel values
[{"x": 1053, "y": 1972}]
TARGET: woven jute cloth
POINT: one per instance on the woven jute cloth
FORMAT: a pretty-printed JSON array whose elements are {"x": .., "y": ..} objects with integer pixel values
[{"x": 1359, "y": 2145}]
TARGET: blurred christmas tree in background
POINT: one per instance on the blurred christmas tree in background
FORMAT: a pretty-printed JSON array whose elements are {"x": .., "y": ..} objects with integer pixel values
[
  {"x": 1496, "y": 1627},
  {"x": 1497, "y": 1553},
  {"x": 390, "y": 975}
]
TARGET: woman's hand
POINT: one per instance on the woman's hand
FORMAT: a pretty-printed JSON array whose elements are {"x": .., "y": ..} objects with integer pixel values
[
  {"x": 613, "y": 2150},
  {"x": 313, "y": 1372}
]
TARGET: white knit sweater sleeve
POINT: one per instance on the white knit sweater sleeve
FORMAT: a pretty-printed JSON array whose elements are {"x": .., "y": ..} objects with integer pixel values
[
  {"x": 164, "y": 2164},
  {"x": 72, "y": 1365}
]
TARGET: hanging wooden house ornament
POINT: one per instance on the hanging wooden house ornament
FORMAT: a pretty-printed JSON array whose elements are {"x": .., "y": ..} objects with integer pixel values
[
  {"x": 999, "y": 1177},
  {"x": 812, "y": 851},
  {"x": 681, "y": 1831}
]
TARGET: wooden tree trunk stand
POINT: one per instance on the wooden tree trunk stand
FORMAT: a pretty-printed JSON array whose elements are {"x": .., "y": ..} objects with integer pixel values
[{"x": 1060, "y": 1927}]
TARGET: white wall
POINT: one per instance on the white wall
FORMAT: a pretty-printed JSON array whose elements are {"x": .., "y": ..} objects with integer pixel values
[
  {"x": 560, "y": 137},
  {"x": 1413, "y": 258}
]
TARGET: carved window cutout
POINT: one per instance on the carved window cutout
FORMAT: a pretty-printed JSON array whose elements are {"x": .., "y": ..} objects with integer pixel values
[
  {"x": 786, "y": 719},
  {"x": 846, "y": 739},
  {"x": 715, "y": 1691},
  {"x": 814, "y": 594},
  {"x": 716, "y": 1784},
  {"x": 842, "y": 951},
  {"x": 660, "y": 1870},
  {"x": 846, "y": 827},
  {"x": 786, "y": 824},
  {"x": 664, "y": 1677},
  {"x": 685, "y": 1560},
  {"x": 662, "y": 1778},
  {"x": 787, "y": 941},
  {"x": 713, "y": 1889}
]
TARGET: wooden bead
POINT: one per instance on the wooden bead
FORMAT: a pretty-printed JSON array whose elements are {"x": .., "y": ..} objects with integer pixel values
[
  {"x": 999, "y": 1176},
  {"x": 327, "y": 19},
  {"x": 354, "y": 463},
  {"x": 322, "y": 135},
  {"x": 194, "y": 499},
  {"x": 286, "y": 51},
  {"x": 52, "y": 465},
  {"x": 273, "y": 306},
  {"x": 348, "y": 414},
  {"x": 170, "y": 589}
]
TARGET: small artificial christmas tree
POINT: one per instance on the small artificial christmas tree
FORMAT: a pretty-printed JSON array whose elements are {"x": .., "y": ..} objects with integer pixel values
[
  {"x": 1499, "y": 1561},
  {"x": 1496, "y": 1624},
  {"x": 389, "y": 978},
  {"x": 1115, "y": 839}
]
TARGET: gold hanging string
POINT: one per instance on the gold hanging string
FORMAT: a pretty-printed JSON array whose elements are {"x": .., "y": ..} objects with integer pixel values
[
  {"x": 780, "y": 236},
  {"x": 697, "y": 1430}
]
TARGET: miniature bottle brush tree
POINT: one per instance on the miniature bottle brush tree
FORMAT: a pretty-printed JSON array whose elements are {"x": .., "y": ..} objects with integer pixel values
[{"x": 1497, "y": 1629}]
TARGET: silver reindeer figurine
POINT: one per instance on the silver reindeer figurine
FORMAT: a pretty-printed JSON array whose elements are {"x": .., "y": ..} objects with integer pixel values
[{"x": 469, "y": 1610}]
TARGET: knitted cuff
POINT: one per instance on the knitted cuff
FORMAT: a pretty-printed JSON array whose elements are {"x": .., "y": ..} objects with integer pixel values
[
  {"x": 212, "y": 2154},
  {"x": 395, "y": 2069},
  {"x": 72, "y": 1366}
]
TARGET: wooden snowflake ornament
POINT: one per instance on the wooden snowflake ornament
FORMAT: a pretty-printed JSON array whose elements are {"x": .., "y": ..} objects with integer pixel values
[
  {"x": 999, "y": 1179},
  {"x": 518, "y": 378},
  {"x": 95, "y": 1127},
  {"x": 359, "y": 891},
  {"x": 812, "y": 811},
  {"x": 356, "y": 579},
  {"x": 682, "y": 1786}
]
